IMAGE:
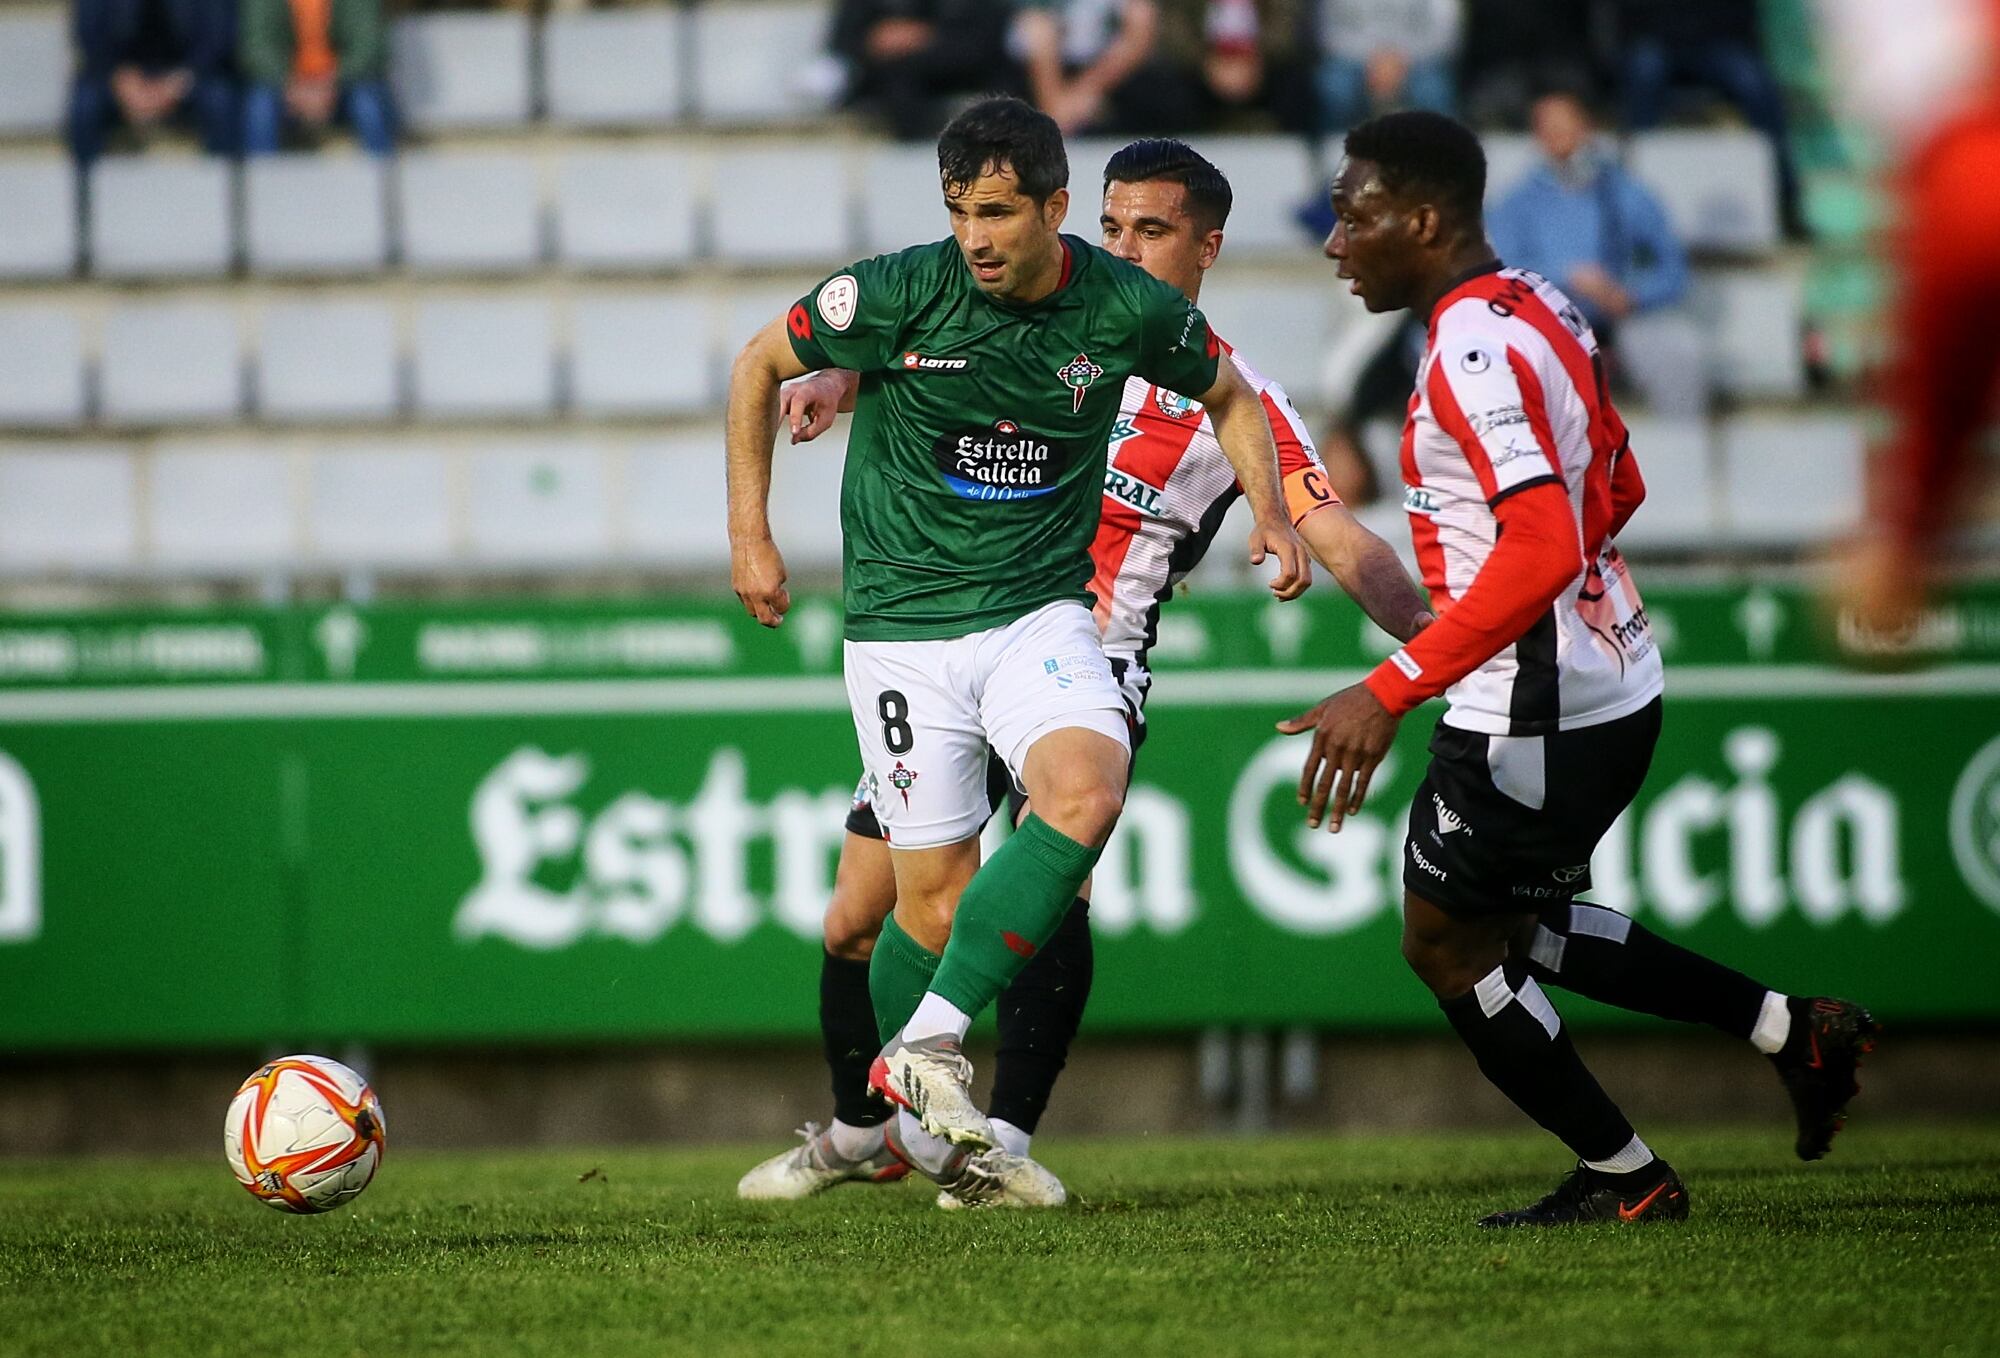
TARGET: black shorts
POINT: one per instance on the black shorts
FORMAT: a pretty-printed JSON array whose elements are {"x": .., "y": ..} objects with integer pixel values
[{"x": 1479, "y": 846}]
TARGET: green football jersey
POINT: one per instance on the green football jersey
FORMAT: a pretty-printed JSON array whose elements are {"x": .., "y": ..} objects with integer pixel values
[{"x": 975, "y": 464}]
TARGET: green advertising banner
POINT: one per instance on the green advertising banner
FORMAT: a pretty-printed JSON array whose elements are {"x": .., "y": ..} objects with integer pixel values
[{"x": 619, "y": 820}]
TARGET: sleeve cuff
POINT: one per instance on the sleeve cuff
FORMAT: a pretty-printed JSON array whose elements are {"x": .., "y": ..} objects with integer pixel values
[{"x": 1394, "y": 686}]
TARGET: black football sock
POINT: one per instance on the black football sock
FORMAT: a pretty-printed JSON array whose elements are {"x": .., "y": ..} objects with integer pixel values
[
  {"x": 847, "y": 1026},
  {"x": 1519, "y": 1042},
  {"x": 1603, "y": 955},
  {"x": 1039, "y": 1013}
]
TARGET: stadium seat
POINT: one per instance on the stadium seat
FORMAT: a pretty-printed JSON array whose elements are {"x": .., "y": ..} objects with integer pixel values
[
  {"x": 1719, "y": 186},
  {"x": 625, "y": 209},
  {"x": 469, "y": 211},
  {"x": 462, "y": 70},
  {"x": 1752, "y": 318},
  {"x": 1509, "y": 157},
  {"x": 327, "y": 360},
  {"x": 314, "y": 214},
  {"x": 379, "y": 505},
  {"x": 639, "y": 355},
  {"x": 1269, "y": 177},
  {"x": 41, "y": 367},
  {"x": 484, "y": 358},
  {"x": 68, "y": 506},
  {"x": 37, "y": 217},
  {"x": 781, "y": 206},
  {"x": 1680, "y": 513},
  {"x": 1791, "y": 480},
  {"x": 901, "y": 202},
  {"x": 674, "y": 500},
  {"x": 1282, "y": 330},
  {"x": 748, "y": 60},
  {"x": 224, "y": 507},
  {"x": 34, "y": 71},
  {"x": 542, "y": 502},
  {"x": 170, "y": 362},
  {"x": 613, "y": 67},
  {"x": 161, "y": 217}
]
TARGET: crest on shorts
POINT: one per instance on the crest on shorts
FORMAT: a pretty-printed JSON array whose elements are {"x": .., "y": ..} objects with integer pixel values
[
  {"x": 1077, "y": 375},
  {"x": 902, "y": 780}
]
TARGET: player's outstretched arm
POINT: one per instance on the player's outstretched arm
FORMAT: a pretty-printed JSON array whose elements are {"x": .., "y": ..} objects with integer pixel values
[
  {"x": 1367, "y": 569},
  {"x": 756, "y": 568},
  {"x": 1245, "y": 435}
]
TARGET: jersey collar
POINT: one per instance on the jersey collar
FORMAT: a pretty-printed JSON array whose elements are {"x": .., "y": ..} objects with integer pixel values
[
  {"x": 1057, "y": 295},
  {"x": 1450, "y": 293}
]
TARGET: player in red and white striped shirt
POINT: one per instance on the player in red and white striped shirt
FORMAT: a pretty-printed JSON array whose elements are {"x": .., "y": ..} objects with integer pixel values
[{"x": 1517, "y": 477}]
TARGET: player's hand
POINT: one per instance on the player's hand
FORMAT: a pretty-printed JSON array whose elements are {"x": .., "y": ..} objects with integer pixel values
[
  {"x": 1352, "y": 732},
  {"x": 808, "y": 405},
  {"x": 757, "y": 573},
  {"x": 1281, "y": 540}
]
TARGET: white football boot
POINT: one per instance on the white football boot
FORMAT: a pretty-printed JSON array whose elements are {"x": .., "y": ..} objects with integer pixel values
[
  {"x": 996, "y": 1179},
  {"x": 815, "y": 1166},
  {"x": 932, "y": 1078}
]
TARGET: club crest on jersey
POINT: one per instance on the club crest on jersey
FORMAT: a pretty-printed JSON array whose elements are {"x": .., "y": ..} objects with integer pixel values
[
  {"x": 1174, "y": 405},
  {"x": 925, "y": 363},
  {"x": 903, "y": 779},
  {"x": 1077, "y": 375}
]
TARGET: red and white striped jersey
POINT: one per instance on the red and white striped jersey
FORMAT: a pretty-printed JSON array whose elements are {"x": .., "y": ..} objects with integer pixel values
[
  {"x": 1167, "y": 485},
  {"x": 1510, "y": 395}
]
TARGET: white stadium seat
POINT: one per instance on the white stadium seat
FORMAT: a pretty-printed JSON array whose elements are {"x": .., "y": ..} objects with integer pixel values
[
  {"x": 674, "y": 498},
  {"x": 539, "y": 503},
  {"x": 1719, "y": 186},
  {"x": 68, "y": 506},
  {"x": 1791, "y": 480},
  {"x": 781, "y": 205},
  {"x": 639, "y": 355},
  {"x": 902, "y": 203},
  {"x": 1752, "y": 319},
  {"x": 484, "y": 358},
  {"x": 1676, "y": 460},
  {"x": 37, "y": 217},
  {"x": 613, "y": 67},
  {"x": 220, "y": 507},
  {"x": 328, "y": 360},
  {"x": 461, "y": 70},
  {"x": 381, "y": 505},
  {"x": 625, "y": 209},
  {"x": 170, "y": 362},
  {"x": 315, "y": 214},
  {"x": 1282, "y": 330},
  {"x": 41, "y": 367},
  {"x": 469, "y": 211},
  {"x": 748, "y": 60},
  {"x": 1269, "y": 178},
  {"x": 34, "y": 71},
  {"x": 161, "y": 217}
]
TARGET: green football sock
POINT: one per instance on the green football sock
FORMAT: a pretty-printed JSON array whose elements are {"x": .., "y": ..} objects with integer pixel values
[
  {"x": 899, "y": 972},
  {"x": 1012, "y": 906}
]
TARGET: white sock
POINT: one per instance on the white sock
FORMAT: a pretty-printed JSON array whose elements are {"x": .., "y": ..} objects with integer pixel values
[
  {"x": 1774, "y": 1024},
  {"x": 1012, "y": 1139},
  {"x": 936, "y": 1014},
  {"x": 930, "y": 1154},
  {"x": 1634, "y": 1156},
  {"x": 855, "y": 1143}
]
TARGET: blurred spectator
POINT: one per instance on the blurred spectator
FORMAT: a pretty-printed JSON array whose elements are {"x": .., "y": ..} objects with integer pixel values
[
  {"x": 1386, "y": 54},
  {"x": 305, "y": 60},
  {"x": 1711, "y": 45},
  {"x": 1516, "y": 48},
  {"x": 140, "y": 62},
  {"x": 1580, "y": 220},
  {"x": 1242, "y": 56},
  {"x": 1094, "y": 66},
  {"x": 905, "y": 59}
]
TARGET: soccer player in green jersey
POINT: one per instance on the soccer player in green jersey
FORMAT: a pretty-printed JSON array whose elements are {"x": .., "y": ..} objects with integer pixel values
[{"x": 992, "y": 369}]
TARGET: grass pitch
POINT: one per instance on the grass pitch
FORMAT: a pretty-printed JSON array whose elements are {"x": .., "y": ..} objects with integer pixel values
[{"x": 1354, "y": 1246}]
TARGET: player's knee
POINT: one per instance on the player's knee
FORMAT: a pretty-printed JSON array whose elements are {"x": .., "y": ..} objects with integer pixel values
[
  {"x": 1447, "y": 969},
  {"x": 1085, "y": 810},
  {"x": 848, "y": 938}
]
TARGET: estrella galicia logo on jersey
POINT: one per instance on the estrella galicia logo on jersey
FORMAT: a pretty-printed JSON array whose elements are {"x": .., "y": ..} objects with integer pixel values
[
  {"x": 924, "y": 363},
  {"x": 838, "y": 299},
  {"x": 1174, "y": 405},
  {"x": 1001, "y": 462},
  {"x": 1077, "y": 375}
]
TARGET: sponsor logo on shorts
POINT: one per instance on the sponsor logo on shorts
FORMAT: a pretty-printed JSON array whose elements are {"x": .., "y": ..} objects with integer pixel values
[
  {"x": 837, "y": 301},
  {"x": 925, "y": 363},
  {"x": 1425, "y": 863},
  {"x": 903, "y": 779},
  {"x": 1570, "y": 874},
  {"x": 1000, "y": 462},
  {"x": 1540, "y": 893},
  {"x": 1449, "y": 820},
  {"x": 1070, "y": 670},
  {"x": 1077, "y": 375}
]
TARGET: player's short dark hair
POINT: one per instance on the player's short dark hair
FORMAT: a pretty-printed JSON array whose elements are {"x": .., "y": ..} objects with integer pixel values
[
  {"x": 1152, "y": 159},
  {"x": 1006, "y": 131},
  {"x": 1426, "y": 154}
]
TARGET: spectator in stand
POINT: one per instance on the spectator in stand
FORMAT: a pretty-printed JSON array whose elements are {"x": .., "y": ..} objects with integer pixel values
[
  {"x": 1600, "y": 235},
  {"x": 1712, "y": 45},
  {"x": 1516, "y": 48},
  {"x": 1094, "y": 66},
  {"x": 904, "y": 60},
  {"x": 140, "y": 62},
  {"x": 1386, "y": 54},
  {"x": 305, "y": 60},
  {"x": 1242, "y": 57}
]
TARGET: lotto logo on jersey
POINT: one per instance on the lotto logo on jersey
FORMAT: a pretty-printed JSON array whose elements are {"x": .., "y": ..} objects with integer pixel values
[
  {"x": 924, "y": 363},
  {"x": 1001, "y": 462}
]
